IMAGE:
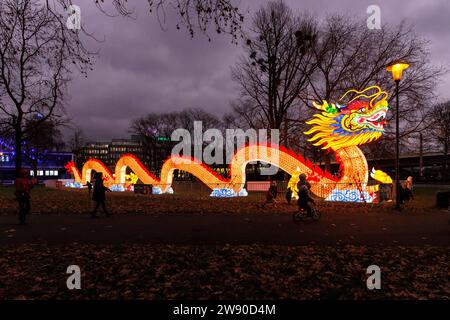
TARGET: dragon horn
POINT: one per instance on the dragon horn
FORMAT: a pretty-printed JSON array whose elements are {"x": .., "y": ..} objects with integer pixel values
[
  {"x": 322, "y": 106},
  {"x": 373, "y": 97}
]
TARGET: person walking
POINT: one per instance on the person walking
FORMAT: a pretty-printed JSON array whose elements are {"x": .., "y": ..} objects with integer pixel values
[
  {"x": 23, "y": 194},
  {"x": 289, "y": 195},
  {"x": 89, "y": 186},
  {"x": 99, "y": 196},
  {"x": 271, "y": 194},
  {"x": 405, "y": 192},
  {"x": 304, "y": 199},
  {"x": 410, "y": 186}
]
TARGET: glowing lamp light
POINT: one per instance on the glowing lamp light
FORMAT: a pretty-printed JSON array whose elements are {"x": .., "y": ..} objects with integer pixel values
[{"x": 396, "y": 68}]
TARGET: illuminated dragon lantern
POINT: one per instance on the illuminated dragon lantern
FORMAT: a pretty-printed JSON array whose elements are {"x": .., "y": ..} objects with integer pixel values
[{"x": 340, "y": 128}]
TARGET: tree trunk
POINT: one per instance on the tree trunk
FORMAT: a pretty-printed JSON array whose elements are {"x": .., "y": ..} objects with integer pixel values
[
  {"x": 445, "y": 167},
  {"x": 18, "y": 151},
  {"x": 34, "y": 164}
]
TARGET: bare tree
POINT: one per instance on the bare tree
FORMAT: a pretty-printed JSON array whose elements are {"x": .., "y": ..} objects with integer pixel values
[
  {"x": 37, "y": 55},
  {"x": 276, "y": 67},
  {"x": 156, "y": 128},
  {"x": 341, "y": 54},
  {"x": 156, "y": 125},
  {"x": 76, "y": 142},
  {"x": 209, "y": 121},
  {"x": 439, "y": 131},
  {"x": 44, "y": 138},
  {"x": 194, "y": 15},
  {"x": 349, "y": 55}
]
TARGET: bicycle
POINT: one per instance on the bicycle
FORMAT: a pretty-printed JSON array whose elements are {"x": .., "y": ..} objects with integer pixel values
[{"x": 303, "y": 213}]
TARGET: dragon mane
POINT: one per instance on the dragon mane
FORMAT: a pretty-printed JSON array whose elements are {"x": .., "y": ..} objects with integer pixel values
[{"x": 335, "y": 127}]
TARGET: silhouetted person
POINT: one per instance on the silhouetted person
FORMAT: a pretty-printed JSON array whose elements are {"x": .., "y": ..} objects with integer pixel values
[
  {"x": 289, "y": 195},
  {"x": 271, "y": 194},
  {"x": 405, "y": 192},
  {"x": 410, "y": 186},
  {"x": 304, "y": 198},
  {"x": 89, "y": 186},
  {"x": 23, "y": 194},
  {"x": 98, "y": 195}
]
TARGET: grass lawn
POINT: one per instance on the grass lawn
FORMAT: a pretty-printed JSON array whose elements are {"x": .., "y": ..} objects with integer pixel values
[{"x": 73, "y": 201}]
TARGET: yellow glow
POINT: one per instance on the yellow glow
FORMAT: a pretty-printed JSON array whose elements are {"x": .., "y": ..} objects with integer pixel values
[
  {"x": 292, "y": 184},
  {"x": 381, "y": 176},
  {"x": 131, "y": 178},
  {"x": 397, "y": 70}
]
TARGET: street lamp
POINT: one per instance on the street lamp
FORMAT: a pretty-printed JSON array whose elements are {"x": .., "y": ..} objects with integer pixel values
[{"x": 396, "y": 68}]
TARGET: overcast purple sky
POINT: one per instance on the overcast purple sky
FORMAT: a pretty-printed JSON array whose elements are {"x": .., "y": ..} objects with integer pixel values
[{"x": 142, "y": 68}]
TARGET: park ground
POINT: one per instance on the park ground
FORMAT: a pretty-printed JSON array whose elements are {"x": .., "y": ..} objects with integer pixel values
[{"x": 192, "y": 247}]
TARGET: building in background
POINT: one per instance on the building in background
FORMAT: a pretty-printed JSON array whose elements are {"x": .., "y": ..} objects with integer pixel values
[
  {"x": 97, "y": 150},
  {"x": 152, "y": 155},
  {"x": 50, "y": 167}
]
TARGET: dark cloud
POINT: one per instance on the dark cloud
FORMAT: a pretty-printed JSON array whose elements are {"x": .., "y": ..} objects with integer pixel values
[{"x": 143, "y": 68}]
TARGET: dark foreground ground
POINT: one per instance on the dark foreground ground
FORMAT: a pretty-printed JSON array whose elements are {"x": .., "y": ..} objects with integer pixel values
[
  {"x": 223, "y": 272},
  {"x": 193, "y": 248}
]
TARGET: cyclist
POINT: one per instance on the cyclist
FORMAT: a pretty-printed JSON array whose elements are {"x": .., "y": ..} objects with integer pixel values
[{"x": 304, "y": 199}]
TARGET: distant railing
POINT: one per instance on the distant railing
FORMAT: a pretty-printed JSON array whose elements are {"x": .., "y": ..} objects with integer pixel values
[{"x": 340, "y": 192}]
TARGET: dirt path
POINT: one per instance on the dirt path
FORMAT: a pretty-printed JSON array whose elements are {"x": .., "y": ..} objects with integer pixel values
[{"x": 264, "y": 228}]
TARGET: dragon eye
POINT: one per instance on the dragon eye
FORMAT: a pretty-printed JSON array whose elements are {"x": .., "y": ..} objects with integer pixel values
[{"x": 362, "y": 110}]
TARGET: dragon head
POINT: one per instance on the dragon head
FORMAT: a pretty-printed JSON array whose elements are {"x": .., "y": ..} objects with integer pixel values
[{"x": 360, "y": 120}]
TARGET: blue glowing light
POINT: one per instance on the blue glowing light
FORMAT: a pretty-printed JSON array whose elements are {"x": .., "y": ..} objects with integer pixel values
[
  {"x": 227, "y": 193},
  {"x": 73, "y": 185},
  {"x": 350, "y": 196},
  {"x": 156, "y": 190}
]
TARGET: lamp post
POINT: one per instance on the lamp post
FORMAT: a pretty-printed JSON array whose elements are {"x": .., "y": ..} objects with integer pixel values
[{"x": 396, "y": 68}]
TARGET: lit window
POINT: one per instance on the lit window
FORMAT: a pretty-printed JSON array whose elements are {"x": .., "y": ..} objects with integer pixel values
[
  {"x": 31, "y": 173},
  {"x": 40, "y": 173},
  {"x": 47, "y": 173}
]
